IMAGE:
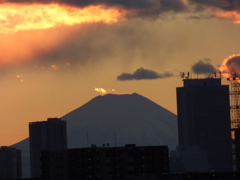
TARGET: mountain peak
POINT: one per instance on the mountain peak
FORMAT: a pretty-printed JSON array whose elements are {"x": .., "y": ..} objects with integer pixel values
[
  {"x": 117, "y": 120},
  {"x": 136, "y": 119},
  {"x": 119, "y": 95}
]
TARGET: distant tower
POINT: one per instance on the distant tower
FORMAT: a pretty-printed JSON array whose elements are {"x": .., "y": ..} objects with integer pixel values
[
  {"x": 45, "y": 135},
  {"x": 10, "y": 163},
  {"x": 204, "y": 119},
  {"x": 235, "y": 102},
  {"x": 235, "y": 118}
]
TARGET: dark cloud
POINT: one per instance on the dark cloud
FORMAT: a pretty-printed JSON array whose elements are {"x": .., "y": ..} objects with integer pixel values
[
  {"x": 233, "y": 65},
  {"x": 165, "y": 6},
  {"x": 234, "y": 60},
  {"x": 172, "y": 5},
  {"x": 202, "y": 67},
  {"x": 82, "y": 3},
  {"x": 199, "y": 17},
  {"x": 145, "y": 7},
  {"x": 227, "y": 5},
  {"x": 142, "y": 73}
]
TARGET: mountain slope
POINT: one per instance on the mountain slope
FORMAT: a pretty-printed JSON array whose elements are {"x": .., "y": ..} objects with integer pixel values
[
  {"x": 115, "y": 119},
  {"x": 135, "y": 119}
]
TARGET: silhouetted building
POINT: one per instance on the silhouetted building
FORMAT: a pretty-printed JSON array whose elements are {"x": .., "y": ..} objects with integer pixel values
[
  {"x": 45, "y": 135},
  {"x": 204, "y": 120},
  {"x": 10, "y": 163},
  {"x": 188, "y": 159},
  {"x": 105, "y": 162},
  {"x": 193, "y": 176},
  {"x": 175, "y": 176},
  {"x": 237, "y": 148}
]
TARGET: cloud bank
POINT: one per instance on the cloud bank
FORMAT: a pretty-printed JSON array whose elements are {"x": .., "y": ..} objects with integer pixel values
[
  {"x": 128, "y": 4},
  {"x": 141, "y": 7},
  {"x": 136, "y": 7},
  {"x": 142, "y": 73},
  {"x": 202, "y": 67},
  {"x": 230, "y": 66},
  {"x": 165, "y": 5},
  {"x": 61, "y": 45},
  {"x": 227, "y": 5}
]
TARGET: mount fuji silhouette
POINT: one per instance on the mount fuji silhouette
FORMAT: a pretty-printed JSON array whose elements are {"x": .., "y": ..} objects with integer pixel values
[{"x": 116, "y": 120}]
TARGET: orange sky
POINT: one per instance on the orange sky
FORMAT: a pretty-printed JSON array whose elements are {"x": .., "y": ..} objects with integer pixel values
[
  {"x": 15, "y": 17},
  {"x": 232, "y": 15},
  {"x": 53, "y": 56},
  {"x": 19, "y": 41}
]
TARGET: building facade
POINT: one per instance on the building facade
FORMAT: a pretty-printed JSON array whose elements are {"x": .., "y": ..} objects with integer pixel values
[
  {"x": 204, "y": 119},
  {"x": 105, "y": 163},
  {"x": 45, "y": 135},
  {"x": 237, "y": 149},
  {"x": 10, "y": 163},
  {"x": 187, "y": 159}
]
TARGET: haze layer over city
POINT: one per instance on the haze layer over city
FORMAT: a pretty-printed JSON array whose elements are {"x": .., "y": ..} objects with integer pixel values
[{"x": 53, "y": 57}]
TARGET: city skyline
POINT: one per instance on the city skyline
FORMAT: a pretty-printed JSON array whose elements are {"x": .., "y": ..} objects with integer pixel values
[{"x": 52, "y": 71}]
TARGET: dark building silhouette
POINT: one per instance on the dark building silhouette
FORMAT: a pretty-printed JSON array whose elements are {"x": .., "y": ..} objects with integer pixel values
[
  {"x": 105, "y": 162},
  {"x": 45, "y": 135},
  {"x": 188, "y": 159},
  {"x": 176, "y": 176},
  {"x": 237, "y": 148},
  {"x": 204, "y": 120},
  {"x": 193, "y": 176},
  {"x": 10, "y": 163},
  {"x": 235, "y": 118}
]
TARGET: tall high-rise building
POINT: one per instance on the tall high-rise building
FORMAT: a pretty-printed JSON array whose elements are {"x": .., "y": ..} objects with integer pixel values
[
  {"x": 204, "y": 119},
  {"x": 10, "y": 163},
  {"x": 45, "y": 135}
]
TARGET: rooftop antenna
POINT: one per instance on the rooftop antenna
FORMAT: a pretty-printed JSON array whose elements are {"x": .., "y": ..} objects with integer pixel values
[
  {"x": 212, "y": 72},
  {"x": 188, "y": 74},
  {"x": 183, "y": 74},
  {"x": 220, "y": 74}
]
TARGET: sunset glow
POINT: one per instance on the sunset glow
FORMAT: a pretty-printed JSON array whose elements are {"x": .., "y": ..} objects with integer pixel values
[
  {"x": 27, "y": 30},
  {"x": 25, "y": 45},
  {"x": 232, "y": 15},
  {"x": 54, "y": 66},
  {"x": 15, "y": 17},
  {"x": 230, "y": 66},
  {"x": 20, "y": 77},
  {"x": 104, "y": 91}
]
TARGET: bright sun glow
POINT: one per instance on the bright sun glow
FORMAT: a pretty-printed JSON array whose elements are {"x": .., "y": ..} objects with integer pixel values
[
  {"x": 27, "y": 30},
  {"x": 232, "y": 15},
  {"x": 104, "y": 91},
  {"x": 15, "y": 17},
  {"x": 231, "y": 67}
]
